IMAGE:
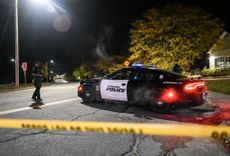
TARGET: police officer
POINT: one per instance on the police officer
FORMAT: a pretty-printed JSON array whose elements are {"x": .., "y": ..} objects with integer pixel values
[{"x": 37, "y": 81}]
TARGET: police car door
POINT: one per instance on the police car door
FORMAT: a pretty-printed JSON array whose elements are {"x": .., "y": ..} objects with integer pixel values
[{"x": 114, "y": 86}]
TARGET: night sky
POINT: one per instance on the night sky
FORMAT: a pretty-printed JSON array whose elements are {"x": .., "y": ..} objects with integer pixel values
[{"x": 72, "y": 31}]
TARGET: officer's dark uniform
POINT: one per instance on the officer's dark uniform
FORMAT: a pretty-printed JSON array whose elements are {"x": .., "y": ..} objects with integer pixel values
[{"x": 37, "y": 80}]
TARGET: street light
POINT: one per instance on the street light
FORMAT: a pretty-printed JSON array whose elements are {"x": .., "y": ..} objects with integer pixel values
[
  {"x": 52, "y": 61},
  {"x": 12, "y": 60},
  {"x": 49, "y": 3},
  {"x": 17, "y": 43}
]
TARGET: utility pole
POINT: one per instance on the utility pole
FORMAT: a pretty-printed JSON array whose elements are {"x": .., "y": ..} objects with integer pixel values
[{"x": 16, "y": 46}]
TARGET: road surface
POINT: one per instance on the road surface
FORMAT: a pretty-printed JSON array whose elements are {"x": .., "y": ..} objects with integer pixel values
[{"x": 61, "y": 102}]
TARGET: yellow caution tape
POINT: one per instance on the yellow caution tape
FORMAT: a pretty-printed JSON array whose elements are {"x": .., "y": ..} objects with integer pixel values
[{"x": 121, "y": 128}]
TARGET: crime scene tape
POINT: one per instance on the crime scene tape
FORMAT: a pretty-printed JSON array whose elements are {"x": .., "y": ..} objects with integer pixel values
[{"x": 190, "y": 130}]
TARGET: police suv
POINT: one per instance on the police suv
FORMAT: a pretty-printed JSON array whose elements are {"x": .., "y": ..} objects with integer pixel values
[{"x": 145, "y": 85}]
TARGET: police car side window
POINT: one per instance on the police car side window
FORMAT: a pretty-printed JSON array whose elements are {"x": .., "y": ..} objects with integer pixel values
[
  {"x": 145, "y": 75},
  {"x": 120, "y": 75},
  {"x": 151, "y": 76},
  {"x": 110, "y": 76},
  {"x": 168, "y": 77}
]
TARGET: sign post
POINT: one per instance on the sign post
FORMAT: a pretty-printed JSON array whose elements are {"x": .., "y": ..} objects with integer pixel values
[{"x": 24, "y": 68}]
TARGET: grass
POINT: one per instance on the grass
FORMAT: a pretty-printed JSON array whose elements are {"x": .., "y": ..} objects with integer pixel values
[{"x": 221, "y": 86}]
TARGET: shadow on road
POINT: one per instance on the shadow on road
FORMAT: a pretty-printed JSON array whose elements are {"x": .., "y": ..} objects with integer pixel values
[
  {"x": 196, "y": 115},
  {"x": 36, "y": 105}
]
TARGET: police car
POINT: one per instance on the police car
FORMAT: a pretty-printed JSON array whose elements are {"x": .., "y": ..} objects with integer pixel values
[{"x": 145, "y": 85}]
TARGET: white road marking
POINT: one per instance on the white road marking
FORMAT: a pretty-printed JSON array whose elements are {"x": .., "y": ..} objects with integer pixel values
[{"x": 45, "y": 105}]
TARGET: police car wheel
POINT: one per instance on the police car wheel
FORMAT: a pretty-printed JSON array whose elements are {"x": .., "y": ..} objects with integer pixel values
[
  {"x": 159, "y": 106},
  {"x": 88, "y": 95}
]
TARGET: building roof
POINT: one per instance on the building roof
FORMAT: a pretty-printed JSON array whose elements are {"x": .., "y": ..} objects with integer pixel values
[{"x": 222, "y": 47}]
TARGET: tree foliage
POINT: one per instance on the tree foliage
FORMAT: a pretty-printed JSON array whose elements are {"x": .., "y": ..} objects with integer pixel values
[
  {"x": 82, "y": 72},
  {"x": 45, "y": 71},
  {"x": 109, "y": 64},
  {"x": 99, "y": 68},
  {"x": 173, "y": 34}
]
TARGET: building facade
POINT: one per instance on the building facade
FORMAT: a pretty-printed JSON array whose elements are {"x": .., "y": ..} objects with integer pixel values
[{"x": 220, "y": 52}]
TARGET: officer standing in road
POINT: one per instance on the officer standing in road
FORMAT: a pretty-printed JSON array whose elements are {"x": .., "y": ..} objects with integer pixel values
[{"x": 37, "y": 81}]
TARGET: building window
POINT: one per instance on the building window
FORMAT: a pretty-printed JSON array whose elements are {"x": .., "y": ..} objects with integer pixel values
[
  {"x": 228, "y": 62},
  {"x": 222, "y": 62}
]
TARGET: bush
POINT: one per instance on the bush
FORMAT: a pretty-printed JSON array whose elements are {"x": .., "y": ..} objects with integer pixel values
[{"x": 215, "y": 72}]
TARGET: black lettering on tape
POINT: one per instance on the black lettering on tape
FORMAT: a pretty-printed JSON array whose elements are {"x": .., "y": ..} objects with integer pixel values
[
  {"x": 23, "y": 125},
  {"x": 58, "y": 127},
  {"x": 121, "y": 130},
  {"x": 34, "y": 126},
  {"x": 132, "y": 131},
  {"x": 215, "y": 134},
  {"x": 224, "y": 135},
  {"x": 98, "y": 130},
  {"x": 75, "y": 128}
]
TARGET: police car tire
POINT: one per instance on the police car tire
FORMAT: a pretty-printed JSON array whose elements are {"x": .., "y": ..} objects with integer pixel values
[
  {"x": 164, "y": 108},
  {"x": 88, "y": 95}
]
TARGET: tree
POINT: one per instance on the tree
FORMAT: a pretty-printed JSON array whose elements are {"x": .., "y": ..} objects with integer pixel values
[
  {"x": 99, "y": 68},
  {"x": 173, "y": 34},
  {"x": 109, "y": 64},
  {"x": 82, "y": 72},
  {"x": 45, "y": 73}
]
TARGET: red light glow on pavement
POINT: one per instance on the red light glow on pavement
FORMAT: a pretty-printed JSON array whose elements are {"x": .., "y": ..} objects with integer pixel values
[{"x": 221, "y": 114}]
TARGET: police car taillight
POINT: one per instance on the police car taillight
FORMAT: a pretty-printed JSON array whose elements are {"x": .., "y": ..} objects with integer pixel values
[
  {"x": 193, "y": 86},
  {"x": 169, "y": 95}
]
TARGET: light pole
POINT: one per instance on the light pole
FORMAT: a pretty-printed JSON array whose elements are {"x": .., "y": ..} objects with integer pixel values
[
  {"x": 16, "y": 46},
  {"x": 16, "y": 39}
]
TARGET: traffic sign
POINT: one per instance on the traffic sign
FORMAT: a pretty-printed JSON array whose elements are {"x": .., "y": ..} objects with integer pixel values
[
  {"x": 24, "y": 66},
  {"x": 126, "y": 63}
]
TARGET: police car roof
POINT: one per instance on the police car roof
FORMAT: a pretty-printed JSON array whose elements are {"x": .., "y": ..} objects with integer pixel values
[{"x": 158, "y": 70}]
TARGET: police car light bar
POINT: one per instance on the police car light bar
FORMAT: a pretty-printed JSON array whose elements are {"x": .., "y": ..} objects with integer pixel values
[
  {"x": 142, "y": 65},
  {"x": 137, "y": 65}
]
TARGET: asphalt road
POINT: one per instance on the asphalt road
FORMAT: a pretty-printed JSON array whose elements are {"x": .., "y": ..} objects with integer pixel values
[{"x": 61, "y": 102}]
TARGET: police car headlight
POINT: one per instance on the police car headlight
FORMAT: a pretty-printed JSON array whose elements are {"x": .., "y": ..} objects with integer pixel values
[{"x": 80, "y": 89}]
